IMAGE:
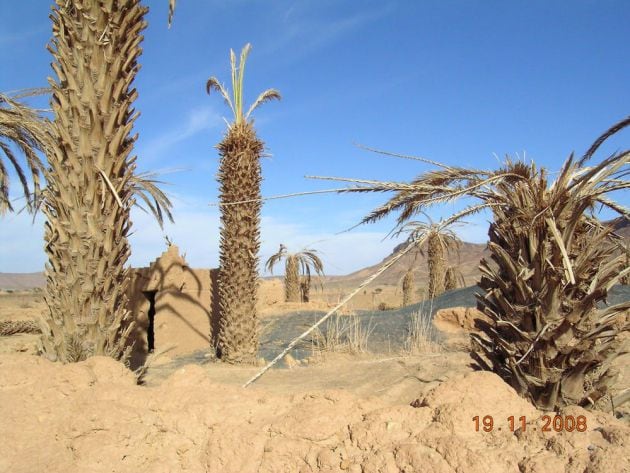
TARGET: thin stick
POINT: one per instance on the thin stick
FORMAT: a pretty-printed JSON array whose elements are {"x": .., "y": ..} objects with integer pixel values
[
  {"x": 283, "y": 196},
  {"x": 325, "y": 317}
]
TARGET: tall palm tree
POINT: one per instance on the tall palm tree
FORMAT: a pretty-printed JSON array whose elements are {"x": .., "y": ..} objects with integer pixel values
[
  {"x": 554, "y": 261},
  {"x": 91, "y": 179},
  {"x": 297, "y": 274},
  {"x": 439, "y": 241},
  {"x": 239, "y": 179},
  {"x": 21, "y": 128}
]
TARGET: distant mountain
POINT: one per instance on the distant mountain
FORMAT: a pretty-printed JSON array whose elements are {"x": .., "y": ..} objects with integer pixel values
[
  {"x": 467, "y": 263},
  {"x": 21, "y": 281}
]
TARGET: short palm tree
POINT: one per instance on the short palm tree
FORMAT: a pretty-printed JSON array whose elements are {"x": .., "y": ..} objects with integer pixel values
[
  {"x": 297, "y": 275},
  {"x": 554, "y": 261},
  {"x": 453, "y": 278},
  {"x": 24, "y": 130},
  {"x": 239, "y": 179},
  {"x": 408, "y": 286},
  {"x": 439, "y": 241},
  {"x": 91, "y": 179}
]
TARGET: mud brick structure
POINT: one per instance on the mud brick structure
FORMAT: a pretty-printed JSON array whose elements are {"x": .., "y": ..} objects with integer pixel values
[{"x": 172, "y": 306}]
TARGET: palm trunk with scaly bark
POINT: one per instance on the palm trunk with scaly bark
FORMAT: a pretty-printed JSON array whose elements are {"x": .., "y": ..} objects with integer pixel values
[
  {"x": 239, "y": 178},
  {"x": 436, "y": 261},
  {"x": 292, "y": 279},
  {"x": 95, "y": 47},
  {"x": 407, "y": 288}
]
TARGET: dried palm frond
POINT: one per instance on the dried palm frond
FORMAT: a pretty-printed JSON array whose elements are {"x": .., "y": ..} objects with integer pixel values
[
  {"x": 171, "y": 11},
  {"x": 12, "y": 327},
  {"x": 22, "y": 129}
]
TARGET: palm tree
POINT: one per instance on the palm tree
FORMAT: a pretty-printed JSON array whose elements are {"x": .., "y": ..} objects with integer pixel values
[
  {"x": 554, "y": 261},
  {"x": 297, "y": 275},
  {"x": 239, "y": 179},
  {"x": 453, "y": 278},
  {"x": 439, "y": 241},
  {"x": 91, "y": 180},
  {"x": 408, "y": 287},
  {"x": 22, "y": 128}
]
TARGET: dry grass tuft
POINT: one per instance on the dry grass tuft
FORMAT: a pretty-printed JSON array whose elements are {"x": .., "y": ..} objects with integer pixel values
[
  {"x": 420, "y": 335},
  {"x": 343, "y": 334}
]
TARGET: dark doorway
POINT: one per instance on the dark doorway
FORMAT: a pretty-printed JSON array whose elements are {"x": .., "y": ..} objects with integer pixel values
[{"x": 150, "y": 295}]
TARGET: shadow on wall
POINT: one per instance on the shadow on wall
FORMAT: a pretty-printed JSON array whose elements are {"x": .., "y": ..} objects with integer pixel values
[{"x": 172, "y": 305}]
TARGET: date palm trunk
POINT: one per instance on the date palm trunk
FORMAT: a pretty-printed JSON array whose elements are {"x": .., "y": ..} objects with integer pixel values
[
  {"x": 239, "y": 178},
  {"x": 292, "y": 279},
  {"x": 95, "y": 46},
  {"x": 436, "y": 261},
  {"x": 407, "y": 287}
]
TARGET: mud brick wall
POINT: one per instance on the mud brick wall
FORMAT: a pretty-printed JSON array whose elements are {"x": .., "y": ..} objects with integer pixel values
[{"x": 182, "y": 300}]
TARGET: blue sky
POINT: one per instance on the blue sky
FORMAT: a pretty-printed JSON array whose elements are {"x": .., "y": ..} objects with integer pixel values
[{"x": 454, "y": 81}]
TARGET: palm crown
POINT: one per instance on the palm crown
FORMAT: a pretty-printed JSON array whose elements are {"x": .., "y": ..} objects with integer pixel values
[{"x": 236, "y": 101}]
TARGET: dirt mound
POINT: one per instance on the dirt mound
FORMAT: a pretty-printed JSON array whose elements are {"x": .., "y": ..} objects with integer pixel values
[
  {"x": 458, "y": 319},
  {"x": 92, "y": 417}
]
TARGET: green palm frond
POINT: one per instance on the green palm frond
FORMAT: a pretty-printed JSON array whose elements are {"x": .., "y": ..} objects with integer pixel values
[{"x": 238, "y": 77}]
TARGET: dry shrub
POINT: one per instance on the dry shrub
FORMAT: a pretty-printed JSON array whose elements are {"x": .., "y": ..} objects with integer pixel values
[{"x": 343, "y": 334}]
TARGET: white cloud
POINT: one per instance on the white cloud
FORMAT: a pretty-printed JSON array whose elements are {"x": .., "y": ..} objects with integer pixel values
[
  {"x": 303, "y": 34},
  {"x": 196, "y": 233},
  {"x": 198, "y": 120}
]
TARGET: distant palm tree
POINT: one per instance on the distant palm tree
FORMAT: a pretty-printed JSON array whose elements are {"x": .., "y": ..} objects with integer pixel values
[
  {"x": 439, "y": 241},
  {"x": 21, "y": 128},
  {"x": 297, "y": 275},
  {"x": 453, "y": 278},
  {"x": 408, "y": 286},
  {"x": 239, "y": 179}
]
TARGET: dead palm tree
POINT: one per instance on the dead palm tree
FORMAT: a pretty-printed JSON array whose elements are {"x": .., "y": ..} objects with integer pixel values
[
  {"x": 297, "y": 275},
  {"x": 239, "y": 179},
  {"x": 22, "y": 129},
  {"x": 439, "y": 241},
  {"x": 91, "y": 178},
  {"x": 554, "y": 261}
]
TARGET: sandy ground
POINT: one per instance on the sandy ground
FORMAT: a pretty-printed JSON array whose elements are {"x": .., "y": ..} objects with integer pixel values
[{"x": 338, "y": 413}]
